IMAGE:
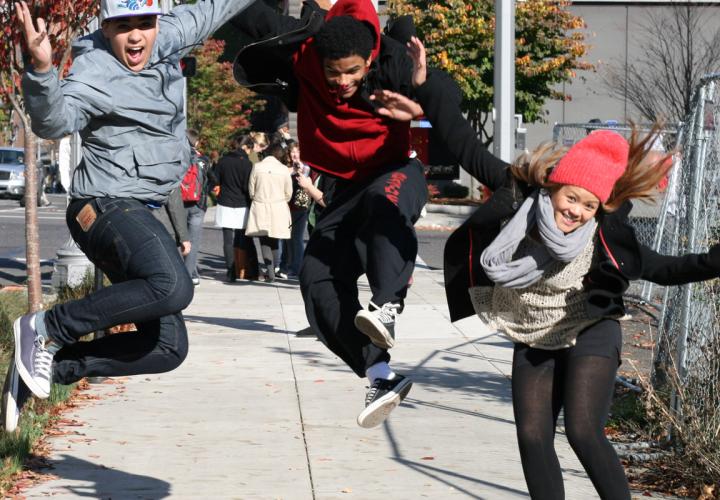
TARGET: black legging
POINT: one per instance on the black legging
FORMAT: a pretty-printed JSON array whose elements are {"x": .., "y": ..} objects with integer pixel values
[
  {"x": 579, "y": 379},
  {"x": 235, "y": 238}
]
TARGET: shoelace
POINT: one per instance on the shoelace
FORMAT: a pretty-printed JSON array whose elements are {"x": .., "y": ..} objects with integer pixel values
[
  {"x": 43, "y": 360},
  {"x": 372, "y": 392},
  {"x": 387, "y": 312}
]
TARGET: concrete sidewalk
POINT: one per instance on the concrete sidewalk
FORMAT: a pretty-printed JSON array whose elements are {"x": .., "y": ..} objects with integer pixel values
[{"x": 257, "y": 412}]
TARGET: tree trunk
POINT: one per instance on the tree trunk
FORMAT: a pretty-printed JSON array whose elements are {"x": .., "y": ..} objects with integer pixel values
[{"x": 32, "y": 233}]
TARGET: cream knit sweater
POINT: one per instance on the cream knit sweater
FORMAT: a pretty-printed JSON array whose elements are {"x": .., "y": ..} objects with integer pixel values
[{"x": 548, "y": 314}]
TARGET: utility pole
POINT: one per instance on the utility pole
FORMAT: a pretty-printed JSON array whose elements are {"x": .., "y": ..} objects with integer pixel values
[{"x": 504, "y": 80}]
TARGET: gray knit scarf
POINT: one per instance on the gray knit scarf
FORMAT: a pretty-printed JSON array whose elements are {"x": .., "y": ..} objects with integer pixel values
[{"x": 497, "y": 261}]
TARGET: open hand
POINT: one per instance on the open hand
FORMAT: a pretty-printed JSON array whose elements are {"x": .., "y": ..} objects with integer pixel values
[
  {"x": 416, "y": 51},
  {"x": 38, "y": 41},
  {"x": 396, "y": 106}
]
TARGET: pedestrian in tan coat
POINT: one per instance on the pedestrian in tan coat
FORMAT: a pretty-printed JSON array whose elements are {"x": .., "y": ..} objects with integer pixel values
[{"x": 270, "y": 188}]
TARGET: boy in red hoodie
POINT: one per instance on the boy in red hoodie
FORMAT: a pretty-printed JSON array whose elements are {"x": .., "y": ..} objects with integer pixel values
[{"x": 326, "y": 66}]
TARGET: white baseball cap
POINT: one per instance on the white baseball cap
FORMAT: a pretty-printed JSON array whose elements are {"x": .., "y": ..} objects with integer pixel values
[{"x": 110, "y": 9}]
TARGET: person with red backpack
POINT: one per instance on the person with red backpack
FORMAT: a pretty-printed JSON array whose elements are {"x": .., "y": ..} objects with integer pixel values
[{"x": 194, "y": 190}]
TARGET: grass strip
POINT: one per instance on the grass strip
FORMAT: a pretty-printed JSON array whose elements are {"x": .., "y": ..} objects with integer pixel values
[{"x": 19, "y": 446}]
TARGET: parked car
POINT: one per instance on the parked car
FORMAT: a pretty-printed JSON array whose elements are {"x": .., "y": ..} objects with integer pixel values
[{"x": 12, "y": 174}]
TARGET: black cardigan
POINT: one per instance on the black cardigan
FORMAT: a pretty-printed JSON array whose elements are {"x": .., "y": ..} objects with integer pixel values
[
  {"x": 232, "y": 174},
  {"x": 618, "y": 257}
]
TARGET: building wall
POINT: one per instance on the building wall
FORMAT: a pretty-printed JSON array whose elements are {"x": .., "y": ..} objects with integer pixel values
[{"x": 614, "y": 32}]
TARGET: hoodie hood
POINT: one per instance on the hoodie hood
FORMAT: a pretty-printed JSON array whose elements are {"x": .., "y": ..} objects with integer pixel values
[{"x": 362, "y": 11}]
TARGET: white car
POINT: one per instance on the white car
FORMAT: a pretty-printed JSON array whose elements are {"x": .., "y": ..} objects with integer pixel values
[{"x": 12, "y": 172}]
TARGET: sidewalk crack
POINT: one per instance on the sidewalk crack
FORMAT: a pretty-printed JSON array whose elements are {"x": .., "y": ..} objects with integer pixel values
[{"x": 297, "y": 396}]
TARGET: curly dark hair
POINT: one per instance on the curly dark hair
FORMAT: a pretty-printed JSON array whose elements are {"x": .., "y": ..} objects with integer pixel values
[{"x": 344, "y": 36}]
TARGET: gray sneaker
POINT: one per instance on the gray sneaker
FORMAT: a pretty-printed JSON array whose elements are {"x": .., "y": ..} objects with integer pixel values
[
  {"x": 15, "y": 395},
  {"x": 382, "y": 398},
  {"x": 378, "y": 323},
  {"x": 32, "y": 359}
]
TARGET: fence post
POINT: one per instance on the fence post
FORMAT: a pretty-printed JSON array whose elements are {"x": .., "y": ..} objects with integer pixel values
[{"x": 698, "y": 138}]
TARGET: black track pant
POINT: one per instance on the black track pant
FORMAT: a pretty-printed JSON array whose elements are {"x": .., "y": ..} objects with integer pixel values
[
  {"x": 368, "y": 228},
  {"x": 580, "y": 380}
]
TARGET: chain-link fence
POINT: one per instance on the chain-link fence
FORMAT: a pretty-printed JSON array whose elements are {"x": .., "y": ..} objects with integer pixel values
[
  {"x": 690, "y": 322},
  {"x": 648, "y": 219}
]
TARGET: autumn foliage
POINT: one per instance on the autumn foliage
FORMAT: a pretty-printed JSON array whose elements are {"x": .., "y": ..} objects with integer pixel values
[
  {"x": 217, "y": 106},
  {"x": 65, "y": 18},
  {"x": 459, "y": 36}
]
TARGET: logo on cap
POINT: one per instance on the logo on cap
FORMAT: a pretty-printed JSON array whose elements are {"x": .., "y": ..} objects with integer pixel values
[{"x": 135, "y": 4}]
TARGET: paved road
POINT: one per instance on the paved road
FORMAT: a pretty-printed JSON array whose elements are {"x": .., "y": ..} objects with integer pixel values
[{"x": 54, "y": 234}]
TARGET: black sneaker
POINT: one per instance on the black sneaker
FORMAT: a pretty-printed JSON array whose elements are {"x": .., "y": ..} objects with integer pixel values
[
  {"x": 15, "y": 395},
  {"x": 382, "y": 398},
  {"x": 378, "y": 323}
]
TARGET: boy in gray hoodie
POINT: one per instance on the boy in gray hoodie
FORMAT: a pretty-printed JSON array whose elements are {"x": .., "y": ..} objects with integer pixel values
[{"x": 124, "y": 94}]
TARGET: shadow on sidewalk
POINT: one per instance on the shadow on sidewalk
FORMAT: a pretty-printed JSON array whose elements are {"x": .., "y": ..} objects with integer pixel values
[
  {"x": 235, "y": 323},
  {"x": 484, "y": 382},
  {"x": 444, "y": 476},
  {"x": 103, "y": 482}
]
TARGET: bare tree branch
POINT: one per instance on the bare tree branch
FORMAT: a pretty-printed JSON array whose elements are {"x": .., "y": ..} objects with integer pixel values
[{"x": 677, "y": 47}]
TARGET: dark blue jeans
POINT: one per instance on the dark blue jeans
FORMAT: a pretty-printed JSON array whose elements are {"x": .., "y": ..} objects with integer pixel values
[
  {"x": 150, "y": 287},
  {"x": 294, "y": 248}
]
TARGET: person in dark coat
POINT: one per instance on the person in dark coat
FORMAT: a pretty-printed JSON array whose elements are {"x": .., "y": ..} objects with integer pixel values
[
  {"x": 546, "y": 262},
  {"x": 232, "y": 175}
]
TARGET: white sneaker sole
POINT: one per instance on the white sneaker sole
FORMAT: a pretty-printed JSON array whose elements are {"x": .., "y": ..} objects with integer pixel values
[
  {"x": 34, "y": 387},
  {"x": 10, "y": 408},
  {"x": 376, "y": 413},
  {"x": 368, "y": 324}
]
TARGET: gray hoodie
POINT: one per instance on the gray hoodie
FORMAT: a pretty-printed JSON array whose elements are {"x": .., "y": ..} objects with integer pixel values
[{"x": 132, "y": 124}]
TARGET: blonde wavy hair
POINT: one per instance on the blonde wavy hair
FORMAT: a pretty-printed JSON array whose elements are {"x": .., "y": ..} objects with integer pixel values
[
  {"x": 645, "y": 168},
  {"x": 260, "y": 138}
]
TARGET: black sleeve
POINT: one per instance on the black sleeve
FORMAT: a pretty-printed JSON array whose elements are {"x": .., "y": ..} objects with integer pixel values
[
  {"x": 679, "y": 270},
  {"x": 394, "y": 68},
  {"x": 260, "y": 21},
  {"x": 440, "y": 98},
  {"x": 177, "y": 215},
  {"x": 245, "y": 167},
  {"x": 214, "y": 175}
]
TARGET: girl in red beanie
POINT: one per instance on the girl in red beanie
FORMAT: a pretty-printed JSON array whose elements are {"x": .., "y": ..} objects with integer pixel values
[{"x": 546, "y": 262}]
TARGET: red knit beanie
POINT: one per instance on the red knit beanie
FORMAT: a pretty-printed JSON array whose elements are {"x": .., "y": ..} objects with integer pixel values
[{"x": 594, "y": 163}]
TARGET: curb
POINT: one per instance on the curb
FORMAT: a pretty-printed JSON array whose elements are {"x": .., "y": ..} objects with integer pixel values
[
  {"x": 435, "y": 227},
  {"x": 450, "y": 209}
]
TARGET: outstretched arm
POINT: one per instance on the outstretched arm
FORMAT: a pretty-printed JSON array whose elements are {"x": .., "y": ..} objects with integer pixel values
[
  {"x": 189, "y": 25},
  {"x": 55, "y": 109},
  {"x": 678, "y": 270},
  {"x": 440, "y": 98}
]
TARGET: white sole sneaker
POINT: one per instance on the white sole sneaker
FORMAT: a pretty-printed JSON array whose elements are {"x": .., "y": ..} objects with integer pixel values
[
  {"x": 378, "y": 411},
  {"x": 368, "y": 324},
  {"x": 10, "y": 410},
  {"x": 41, "y": 391}
]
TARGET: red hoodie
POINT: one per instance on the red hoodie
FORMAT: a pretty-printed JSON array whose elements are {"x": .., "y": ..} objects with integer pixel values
[{"x": 345, "y": 138}]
